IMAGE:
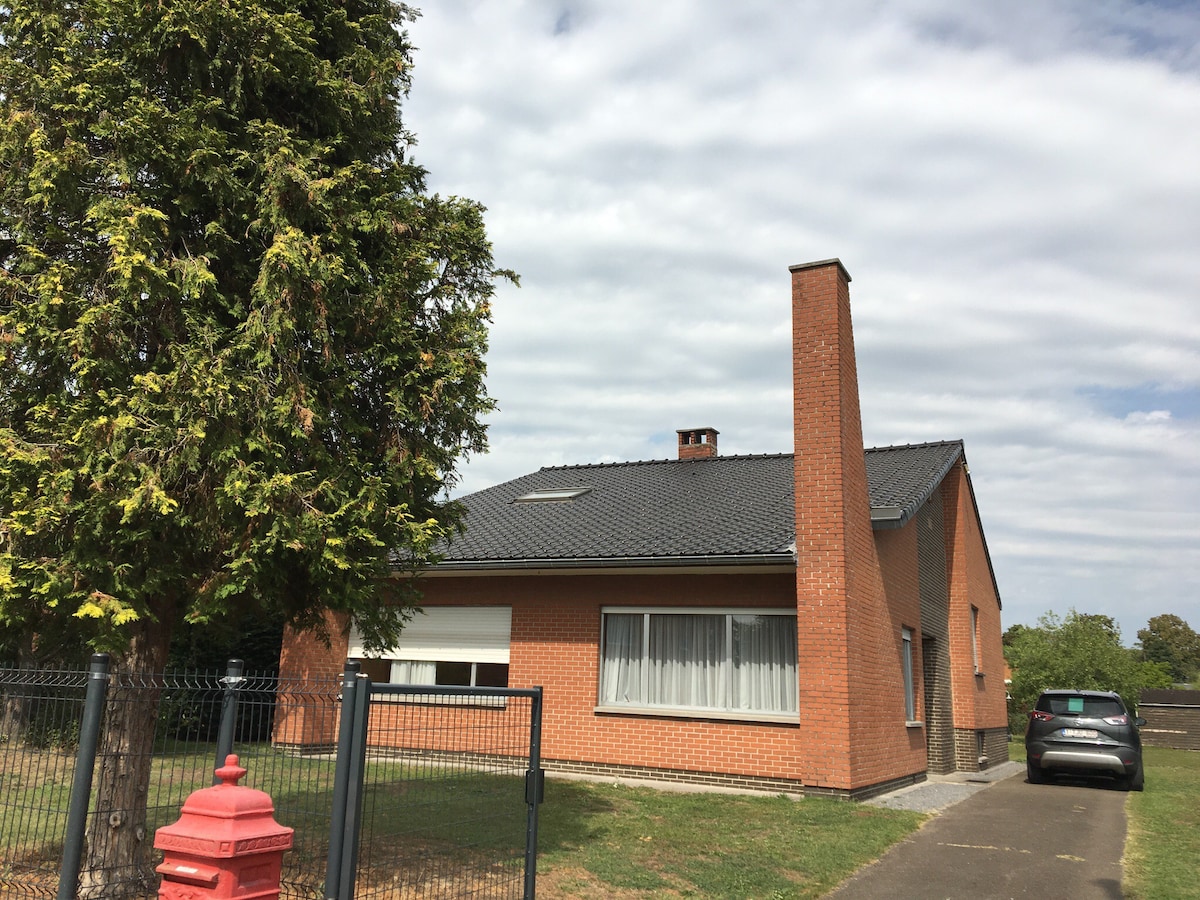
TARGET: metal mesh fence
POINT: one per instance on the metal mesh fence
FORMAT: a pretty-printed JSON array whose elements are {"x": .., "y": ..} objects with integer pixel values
[
  {"x": 444, "y": 802},
  {"x": 38, "y": 737}
]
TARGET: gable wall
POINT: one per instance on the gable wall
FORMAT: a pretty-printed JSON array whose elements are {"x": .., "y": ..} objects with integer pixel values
[
  {"x": 980, "y": 709},
  {"x": 904, "y": 749}
]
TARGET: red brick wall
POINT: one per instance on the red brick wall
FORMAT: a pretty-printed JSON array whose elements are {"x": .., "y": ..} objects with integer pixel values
[
  {"x": 979, "y": 700},
  {"x": 304, "y": 660},
  {"x": 848, "y": 691},
  {"x": 898, "y": 560},
  {"x": 555, "y": 644}
]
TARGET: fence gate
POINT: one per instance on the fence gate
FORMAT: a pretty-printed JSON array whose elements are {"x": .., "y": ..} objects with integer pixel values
[{"x": 436, "y": 792}]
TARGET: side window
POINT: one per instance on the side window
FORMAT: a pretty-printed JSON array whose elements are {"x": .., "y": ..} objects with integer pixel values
[
  {"x": 975, "y": 640},
  {"x": 910, "y": 690}
]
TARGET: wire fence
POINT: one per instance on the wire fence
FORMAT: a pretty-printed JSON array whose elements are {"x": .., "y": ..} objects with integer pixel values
[
  {"x": 437, "y": 799},
  {"x": 451, "y": 791},
  {"x": 39, "y": 735}
]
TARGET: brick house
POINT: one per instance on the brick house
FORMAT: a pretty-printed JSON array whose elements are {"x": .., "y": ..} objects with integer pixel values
[{"x": 824, "y": 621}]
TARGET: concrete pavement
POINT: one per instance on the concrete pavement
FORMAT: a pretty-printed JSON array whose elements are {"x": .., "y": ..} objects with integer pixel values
[{"x": 1011, "y": 840}]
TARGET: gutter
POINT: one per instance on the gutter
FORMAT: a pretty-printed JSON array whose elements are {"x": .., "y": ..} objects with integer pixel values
[{"x": 786, "y": 558}]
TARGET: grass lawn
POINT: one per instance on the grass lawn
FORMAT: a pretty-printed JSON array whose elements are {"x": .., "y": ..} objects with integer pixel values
[
  {"x": 1163, "y": 844},
  {"x": 608, "y": 841},
  {"x": 596, "y": 840}
]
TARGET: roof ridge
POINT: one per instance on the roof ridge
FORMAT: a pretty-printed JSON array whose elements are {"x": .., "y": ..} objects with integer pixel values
[
  {"x": 921, "y": 446},
  {"x": 654, "y": 462},
  {"x": 727, "y": 457}
]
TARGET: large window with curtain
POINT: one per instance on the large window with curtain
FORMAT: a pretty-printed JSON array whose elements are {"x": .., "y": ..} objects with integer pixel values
[{"x": 724, "y": 663}]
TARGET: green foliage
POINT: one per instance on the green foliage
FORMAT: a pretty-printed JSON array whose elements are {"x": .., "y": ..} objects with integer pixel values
[
  {"x": 241, "y": 349},
  {"x": 1170, "y": 640},
  {"x": 1078, "y": 651}
]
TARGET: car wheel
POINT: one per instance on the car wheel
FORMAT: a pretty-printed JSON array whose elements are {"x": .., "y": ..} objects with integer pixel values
[{"x": 1036, "y": 775}]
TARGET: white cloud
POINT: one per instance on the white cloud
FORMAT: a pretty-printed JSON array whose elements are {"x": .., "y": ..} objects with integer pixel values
[{"x": 1013, "y": 189}]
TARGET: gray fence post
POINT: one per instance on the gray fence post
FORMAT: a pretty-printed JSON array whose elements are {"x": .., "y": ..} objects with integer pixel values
[
  {"x": 232, "y": 683},
  {"x": 81, "y": 786},
  {"x": 354, "y": 792},
  {"x": 535, "y": 789},
  {"x": 341, "y": 782}
]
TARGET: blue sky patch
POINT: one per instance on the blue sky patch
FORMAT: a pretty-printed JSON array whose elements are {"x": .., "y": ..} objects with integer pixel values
[{"x": 1182, "y": 403}]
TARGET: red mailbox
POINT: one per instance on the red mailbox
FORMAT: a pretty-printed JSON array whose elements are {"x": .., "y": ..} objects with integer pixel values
[{"x": 225, "y": 845}]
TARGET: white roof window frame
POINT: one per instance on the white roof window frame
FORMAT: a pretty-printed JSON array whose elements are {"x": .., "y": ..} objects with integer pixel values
[{"x": 552, "y": 495}]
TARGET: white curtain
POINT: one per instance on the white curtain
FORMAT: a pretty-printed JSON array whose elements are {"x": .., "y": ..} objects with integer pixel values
[
  {"x": 414, "y": 671},
  {"x": 764, "y": 664},
  {"x": 688, "y": 658},
  {"x": 621, "y": 669},
  {"x": 687, "y": 662}
]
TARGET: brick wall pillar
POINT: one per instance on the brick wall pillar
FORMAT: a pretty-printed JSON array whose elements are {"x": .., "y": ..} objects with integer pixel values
[{"x": 845, "y": 639}]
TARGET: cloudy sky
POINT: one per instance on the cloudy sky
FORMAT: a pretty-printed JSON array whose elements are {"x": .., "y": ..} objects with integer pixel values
[{"x": 1014, "y": 188}]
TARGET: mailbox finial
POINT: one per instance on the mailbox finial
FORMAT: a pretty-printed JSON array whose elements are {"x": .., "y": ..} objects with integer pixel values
[{"x": 231, "y": 771}]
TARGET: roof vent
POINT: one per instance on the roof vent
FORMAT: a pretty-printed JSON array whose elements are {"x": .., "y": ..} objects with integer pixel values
[{"x": 697, "y": 443}]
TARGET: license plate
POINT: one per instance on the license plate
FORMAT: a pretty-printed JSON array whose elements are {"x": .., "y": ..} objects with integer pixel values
[{"x": 1080, "y": 733}]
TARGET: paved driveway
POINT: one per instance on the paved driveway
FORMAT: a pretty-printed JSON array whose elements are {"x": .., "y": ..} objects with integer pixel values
[{"x": 1009, "y": 840}]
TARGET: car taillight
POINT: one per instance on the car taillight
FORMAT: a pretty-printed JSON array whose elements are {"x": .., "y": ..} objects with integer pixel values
[
  {"x": 1038, "y": 716},
  {"x": 1116, "y": 720}
]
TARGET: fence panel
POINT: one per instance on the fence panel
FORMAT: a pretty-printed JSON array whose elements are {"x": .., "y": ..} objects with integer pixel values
[
  {"x": 39, "y": 734},
  {"x": 445, "y": 811},
  {"x": 446, "y": 808},
  {"x": 297, "y": 767}
]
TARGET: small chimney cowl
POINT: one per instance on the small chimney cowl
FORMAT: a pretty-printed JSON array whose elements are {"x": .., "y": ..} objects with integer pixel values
[{"x": 697, "y": 443}]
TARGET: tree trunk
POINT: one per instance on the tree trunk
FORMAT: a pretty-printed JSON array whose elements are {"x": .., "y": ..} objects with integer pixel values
[
  {"x": 16, "y": 702},
  {"x": 118, "y": 862}
]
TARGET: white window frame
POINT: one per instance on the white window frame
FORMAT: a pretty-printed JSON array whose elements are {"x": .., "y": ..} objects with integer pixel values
[
  {"x": 975, "y": 640},
  {"x": 910, "y": 686},
  {"x": 790, "y": 717}
]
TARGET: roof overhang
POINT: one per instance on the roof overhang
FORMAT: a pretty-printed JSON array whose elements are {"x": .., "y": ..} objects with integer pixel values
[
  {"x": 759, "y": 564},
  {"x": 888, "y": 517}
]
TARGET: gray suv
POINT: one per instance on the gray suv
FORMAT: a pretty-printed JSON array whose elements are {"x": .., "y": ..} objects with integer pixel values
[{"x": 1084, "y": 733}]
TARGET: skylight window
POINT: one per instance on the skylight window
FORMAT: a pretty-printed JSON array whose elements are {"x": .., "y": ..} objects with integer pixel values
[{"x": 549, "y": 495}]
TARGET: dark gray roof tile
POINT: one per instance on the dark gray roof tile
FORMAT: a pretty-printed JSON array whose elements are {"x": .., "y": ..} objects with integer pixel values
[{"x": 728, "y": 508}]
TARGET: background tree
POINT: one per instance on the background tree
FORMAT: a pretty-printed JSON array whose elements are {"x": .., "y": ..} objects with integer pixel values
[
  {"x": 1168, "y": 639},
  {"x": 241, "y": 348},
  {"x": 1077, "y": 651}
]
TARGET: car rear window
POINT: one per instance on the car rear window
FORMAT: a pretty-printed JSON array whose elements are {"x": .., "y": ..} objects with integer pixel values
[{"x": 1074, "y": 705}]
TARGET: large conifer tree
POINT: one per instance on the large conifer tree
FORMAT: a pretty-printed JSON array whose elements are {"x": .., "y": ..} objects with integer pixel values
[{"x": 241, "y": 347}]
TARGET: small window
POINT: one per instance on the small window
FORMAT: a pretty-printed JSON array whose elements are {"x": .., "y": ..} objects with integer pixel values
[
  {"x": 975, "y": 640},
  {"x": 549, "y": 495},
  {"x": 441, "y": 673},
  {"x": 910, "y": 691}
]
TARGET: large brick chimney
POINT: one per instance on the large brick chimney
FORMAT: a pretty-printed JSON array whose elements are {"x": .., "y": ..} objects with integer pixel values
[
  {"x": 842, "y": 614},
  {"x": 697, "y": 443}
]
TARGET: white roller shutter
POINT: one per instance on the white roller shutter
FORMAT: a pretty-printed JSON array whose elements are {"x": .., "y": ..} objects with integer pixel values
[{"x": 450, "y": 634}]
